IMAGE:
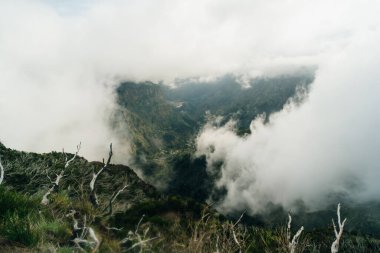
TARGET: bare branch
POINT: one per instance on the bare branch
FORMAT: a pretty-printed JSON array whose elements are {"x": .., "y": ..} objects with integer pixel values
[
  {"x": 87, "y": 232},
  {"x": 75, "y": 155},
  {"x": 241, "y": 216},
  {"x": 335, "y": 231},
  {"x": 45, "y": 200},
  {"x": 75, "y": 221},
  {"x": 236, "y": 240},
  {"x": 93, "y": 197},
  {"x": 138, "y": 224},
  {"x": 142, "y": 242},
  {"x": 113, "y": 198},
  {"x": 338, "y": 235},
  {"x": 217, "y": 244},
  {"x": 137, "y": 239},
  {"x": 114, "y": 228},
  {"x": 294, "y": 242},
  {"x": 92, "y": 235},
  {"x": 289, "y": 226},
  {"x": 1, "y": 172},
  {"x": 109, "y": 156}
]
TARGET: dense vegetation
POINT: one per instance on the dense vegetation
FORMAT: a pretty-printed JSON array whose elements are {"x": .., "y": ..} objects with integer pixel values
[
  {"x": 163, "y": 123},
  {"x": 141, "y": 219}
]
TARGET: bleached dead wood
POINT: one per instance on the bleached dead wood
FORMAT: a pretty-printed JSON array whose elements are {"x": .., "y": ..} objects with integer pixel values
[
  {"x": 238, "y": 221},
  {"x": 235, "y": 239},
  {"x": 92, "y": 241},
  {"x": 292, "y": 244},
  {"x": 138, "y": 240},
  {"x": 93, "y": 197},
  {"x": 217, "y": 244},
  {"x": 141, "y": 243},
  {"x": 234, "y": 234},
  {"x": 67, "y": 162},
  {"x": 338, "y": 235},
  {"x": 113, "y": 198},
  {"x": 288, "y": 228},
  {"x": 87, "y": 236},
  {"x": 45, "y": 199},
  {"x": 2, "y": 172},
  {"x": 114, "y": 228},
  {"x": 75, "y": 221}
]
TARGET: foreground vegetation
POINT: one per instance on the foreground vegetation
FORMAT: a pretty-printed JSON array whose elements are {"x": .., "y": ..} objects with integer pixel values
[{"x": 128, "y": 216}]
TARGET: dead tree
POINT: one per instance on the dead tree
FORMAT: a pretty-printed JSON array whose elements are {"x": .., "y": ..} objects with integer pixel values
[
  {"x": 138, "y": 240},
  {"x": 93, "y": 197},
  {"x": 59, "y": 176},
  {"x": 1, "y": 172},
  {"x": 338, "y": 235},
  {"x": 112, "y": 199},
  {"x": 292, "y": 244},
  {"x": 234, "y": 234},
  {"x": 84, "y": 235}
]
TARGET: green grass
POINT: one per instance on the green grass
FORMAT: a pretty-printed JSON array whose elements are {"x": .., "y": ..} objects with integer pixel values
[
  {"x": 18, "y": 216},
  {"x": 24, "y": 221}
]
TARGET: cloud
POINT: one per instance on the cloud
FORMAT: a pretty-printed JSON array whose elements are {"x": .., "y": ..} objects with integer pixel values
[
  {"x": 51, "y": 95},
  {"x": 59, "y": 63},
  {"x": 326, "y": 147}
]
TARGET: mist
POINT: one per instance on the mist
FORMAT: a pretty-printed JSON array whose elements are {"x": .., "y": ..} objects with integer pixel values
[
  {"x": 60, "y": 61},
  {"x": 60, "y": 64},
  {"x": 322, "y": 151}
]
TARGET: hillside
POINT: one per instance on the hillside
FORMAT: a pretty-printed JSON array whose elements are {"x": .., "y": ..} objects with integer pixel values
[
  {"x": 163, "y": 123},
  {"x": 140, "y": 218},
  {"x": 28, "y": 224}
]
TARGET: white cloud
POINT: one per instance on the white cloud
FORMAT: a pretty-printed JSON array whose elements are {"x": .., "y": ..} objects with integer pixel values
[
  {"x": 328, "y": 145},
  {"x": 54, "y": 63}
]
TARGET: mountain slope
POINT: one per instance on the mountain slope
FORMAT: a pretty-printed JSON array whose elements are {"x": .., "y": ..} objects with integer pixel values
[
  {"x": 163, "y": 123},
  {"x": 139, "y": 214}
]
